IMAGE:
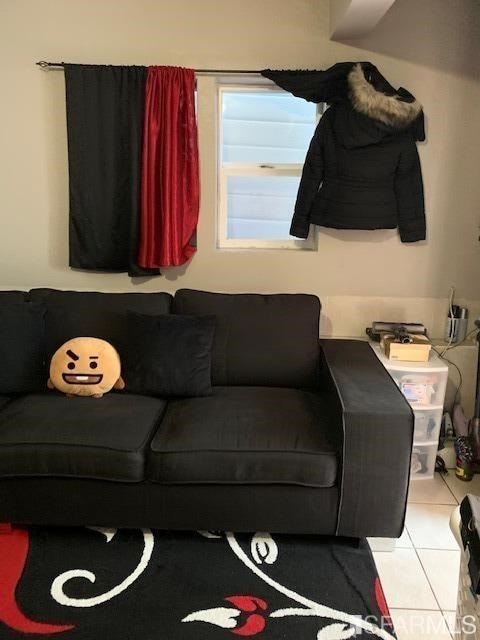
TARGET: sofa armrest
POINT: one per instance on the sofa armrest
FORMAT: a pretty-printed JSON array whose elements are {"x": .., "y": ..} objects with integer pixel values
[{"x": 377, "y": 426}]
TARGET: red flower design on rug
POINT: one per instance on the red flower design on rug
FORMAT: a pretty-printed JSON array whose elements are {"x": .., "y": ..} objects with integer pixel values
[
  {"x": 130, "y": 583},
  {"x": 229, "y": 618},
  {"x": 382, "y": 602},
  {"x": 255, "y": 623},
  {"x": 13, "y": 554}
]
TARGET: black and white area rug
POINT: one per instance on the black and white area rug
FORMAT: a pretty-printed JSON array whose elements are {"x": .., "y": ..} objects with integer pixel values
[{"x": 102, "y": 584}]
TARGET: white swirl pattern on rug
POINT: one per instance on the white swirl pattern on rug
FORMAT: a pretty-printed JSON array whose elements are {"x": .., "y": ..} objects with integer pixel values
[
  {"x": 264, "y": 548},
  {"x": 58, "y": 584}
]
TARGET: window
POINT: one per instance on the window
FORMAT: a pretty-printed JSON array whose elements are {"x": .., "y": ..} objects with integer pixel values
[{"x": 264, "y": 136}]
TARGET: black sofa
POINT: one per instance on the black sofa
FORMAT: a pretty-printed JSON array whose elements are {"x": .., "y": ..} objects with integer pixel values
[{"x": 299, "y": 435}]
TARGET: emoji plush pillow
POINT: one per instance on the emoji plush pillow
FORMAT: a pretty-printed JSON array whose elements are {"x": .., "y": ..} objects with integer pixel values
[{"x": 85, "y": 367}]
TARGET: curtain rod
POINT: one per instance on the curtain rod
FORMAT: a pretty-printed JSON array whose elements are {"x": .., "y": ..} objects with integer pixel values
[{"x": 46, "y": 65}]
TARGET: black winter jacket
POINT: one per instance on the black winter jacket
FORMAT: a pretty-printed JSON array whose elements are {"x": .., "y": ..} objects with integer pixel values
[{"x": 362, "y": 170}]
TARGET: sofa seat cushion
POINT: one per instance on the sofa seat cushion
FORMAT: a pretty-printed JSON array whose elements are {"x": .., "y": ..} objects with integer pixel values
[
  {"x": 52, "y": 435},
  {"x": 4, "y": 400},
  {"x": 246, "y": 435}
]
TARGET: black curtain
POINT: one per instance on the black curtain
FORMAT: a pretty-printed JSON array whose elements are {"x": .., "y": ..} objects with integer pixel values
[{"x": 105, "y": 111}]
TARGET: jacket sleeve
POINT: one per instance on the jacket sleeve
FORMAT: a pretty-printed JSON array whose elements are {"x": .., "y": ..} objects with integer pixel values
[
  {"x": 312, "y": 176},
  {"x": 409, "y": 194}
]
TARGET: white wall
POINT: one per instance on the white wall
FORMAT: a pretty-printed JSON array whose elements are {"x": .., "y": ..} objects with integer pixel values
[{"x": 426, "y": 46}]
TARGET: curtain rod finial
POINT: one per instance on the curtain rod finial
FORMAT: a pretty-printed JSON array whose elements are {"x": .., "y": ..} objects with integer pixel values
[{"x": 43, "y": 64}]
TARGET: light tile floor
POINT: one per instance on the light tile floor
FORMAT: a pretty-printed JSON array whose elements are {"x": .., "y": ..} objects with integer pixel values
[{"x": 420, "y": 576}]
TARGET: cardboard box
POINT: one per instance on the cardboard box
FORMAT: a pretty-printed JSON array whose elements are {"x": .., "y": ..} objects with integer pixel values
[{"x": 416, "y": 351}]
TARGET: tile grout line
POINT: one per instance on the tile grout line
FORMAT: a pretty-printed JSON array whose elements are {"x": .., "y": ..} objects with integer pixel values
[
  {"x": 432, "y": 504},
  {"x": 437, "y": 504},
  {"x": 430, "y": 584},
  {"x": 417, "y": 549},
  {"x": 453, "y": 635},
  {"x": 413, "y": 546},
  {"x": 431, "y": 549},
  {"x": 456, "y": 502},
  {"x": 428, "y": 549},
  {"x": 442, "y": 476},
  {"x": 441, "y": 611},
  {"x": 422, "y": 570},
  {"x": 415, "y": 609}
]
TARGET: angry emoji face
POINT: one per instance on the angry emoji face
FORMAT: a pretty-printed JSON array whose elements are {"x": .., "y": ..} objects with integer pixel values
[{"x": 85, "y": 367}]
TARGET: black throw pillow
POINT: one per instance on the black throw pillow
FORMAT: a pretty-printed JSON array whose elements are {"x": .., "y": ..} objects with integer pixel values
[
  {"x": 22, "y": 352},
  {"x": 169, "y": 355}
]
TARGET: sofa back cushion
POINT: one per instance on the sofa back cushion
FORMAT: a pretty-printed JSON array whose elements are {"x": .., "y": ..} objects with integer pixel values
[
  {"x": 267, "y": 340},
  {"x": 169, "y": 355},
  {"x": 71, "y": 314},
  {"x": 22, "y": 353},
  {"x": 12, "y": 297}
]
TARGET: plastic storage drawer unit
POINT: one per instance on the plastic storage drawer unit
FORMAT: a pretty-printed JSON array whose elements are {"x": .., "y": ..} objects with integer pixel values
[{"x": 423, "y": 384}]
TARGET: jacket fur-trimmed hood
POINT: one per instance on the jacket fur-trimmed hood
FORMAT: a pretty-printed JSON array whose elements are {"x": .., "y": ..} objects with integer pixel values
[
  {"x": 362, "y": 87},
  {"x": 398, "y": 110}
]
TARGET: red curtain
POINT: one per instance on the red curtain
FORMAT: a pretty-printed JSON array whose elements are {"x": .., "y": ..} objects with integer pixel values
[{"x": 170, "y": 189}]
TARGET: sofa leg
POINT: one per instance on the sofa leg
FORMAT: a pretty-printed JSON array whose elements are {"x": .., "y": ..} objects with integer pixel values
[{"x": 5, "y": 527}]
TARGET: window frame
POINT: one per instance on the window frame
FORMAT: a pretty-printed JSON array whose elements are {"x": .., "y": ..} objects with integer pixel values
[{"x": 225, "y": 170}]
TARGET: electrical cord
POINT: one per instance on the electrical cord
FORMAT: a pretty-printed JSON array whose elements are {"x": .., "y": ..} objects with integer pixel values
[
  {"x": 457, "y": 344},
  {"x": 460, "y": 377},
  {"x": 450, "y": 306},
  {"x": 442, "y": 356}
]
